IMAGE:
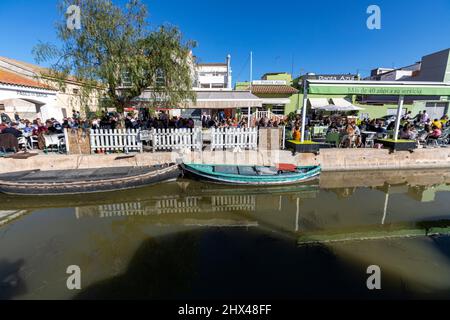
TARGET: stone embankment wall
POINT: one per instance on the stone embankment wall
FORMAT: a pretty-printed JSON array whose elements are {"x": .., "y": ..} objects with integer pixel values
[{"x": 329, "y": 159}]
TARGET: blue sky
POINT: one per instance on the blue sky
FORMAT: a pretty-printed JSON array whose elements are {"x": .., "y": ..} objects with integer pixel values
[{"x": 320, "y": 36}]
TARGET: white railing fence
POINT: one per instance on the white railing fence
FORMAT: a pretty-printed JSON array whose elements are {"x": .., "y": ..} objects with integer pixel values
[
  {"x": 236, "y": 138},
  {"x": 174, "y": 139},
  {"x": 267, "y": 114},
  {"x": 108, "y": 140}
]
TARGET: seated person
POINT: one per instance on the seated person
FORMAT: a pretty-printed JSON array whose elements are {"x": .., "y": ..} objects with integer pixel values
[
  {"x": 50, "y": 128},
  {"x": 435, "y": 133},
  {"x": 444, "y": 120},
  {"x": 28, "y": 130},
  {"x": 333, "y": 128},
  {"x": 358, "y": 138},
  {"x": 391, "y": 126},
  {"x": 13, "y": 130},
  {"x": 296, "y": 134},
  {"x": 437, "y": 123},
  {"x": 371, "y": 126},
  {"x": 407, "y": 133},
  {"x": 3, "y": 126},
  {"x": 349, "y": 136}
]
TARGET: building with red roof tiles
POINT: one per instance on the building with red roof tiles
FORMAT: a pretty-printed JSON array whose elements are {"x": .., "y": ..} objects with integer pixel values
[{"x": 31, "y": 91}]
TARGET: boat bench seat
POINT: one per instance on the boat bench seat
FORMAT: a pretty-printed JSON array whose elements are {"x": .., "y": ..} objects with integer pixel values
[
  {"x": 247, "y": 171},
  {"x": 226, "y": 169},
  {"x": 266, "y": 171}
]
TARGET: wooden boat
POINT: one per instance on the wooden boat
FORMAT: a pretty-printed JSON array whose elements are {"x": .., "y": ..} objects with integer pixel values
[
  {"x": 82, "y": 181},
  {"x": 282, "y": 174}
]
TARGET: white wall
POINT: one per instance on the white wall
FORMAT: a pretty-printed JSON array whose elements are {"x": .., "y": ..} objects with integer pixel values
[
  {"x": 206, "y": 75},
  {"x": 18, "y": 99}
]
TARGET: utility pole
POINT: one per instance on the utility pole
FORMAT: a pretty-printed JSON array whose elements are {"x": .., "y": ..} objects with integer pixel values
[
  {"x": 251, "y": 84},
  {"x": 251, "y": 69},
  {"x": 305, "y": 102}
]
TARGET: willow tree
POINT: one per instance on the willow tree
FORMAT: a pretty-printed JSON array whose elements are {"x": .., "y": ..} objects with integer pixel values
[{"x": 116, "y": 50}]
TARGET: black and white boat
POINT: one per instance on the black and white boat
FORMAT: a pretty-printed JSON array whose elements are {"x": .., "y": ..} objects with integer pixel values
[{"x": 82, "y": 181}]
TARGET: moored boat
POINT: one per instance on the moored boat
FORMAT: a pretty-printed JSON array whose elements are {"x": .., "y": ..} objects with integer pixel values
[
  {"x": 282, "y": 174},
  {"x": 82, "y": 181}
]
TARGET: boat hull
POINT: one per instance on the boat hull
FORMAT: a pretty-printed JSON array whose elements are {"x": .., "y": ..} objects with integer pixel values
[
  {"x": 279, "y": 180},
  {"x": 137, "y": 178}
]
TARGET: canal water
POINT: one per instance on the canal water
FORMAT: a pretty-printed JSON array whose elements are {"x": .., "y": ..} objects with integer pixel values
[{"x": 189, "y": 240}]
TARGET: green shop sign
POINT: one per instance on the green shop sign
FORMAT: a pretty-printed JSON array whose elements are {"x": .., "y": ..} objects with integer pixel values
[{"x": 380, "y": 90}]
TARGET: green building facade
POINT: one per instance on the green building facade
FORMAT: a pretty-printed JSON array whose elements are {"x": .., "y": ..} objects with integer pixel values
[{"x": 433, "y": 68}]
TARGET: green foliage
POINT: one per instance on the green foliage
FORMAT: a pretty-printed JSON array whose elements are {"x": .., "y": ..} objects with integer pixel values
[
  {"x": 117, "y": 54},
  {"x": 292, "y": 116}
]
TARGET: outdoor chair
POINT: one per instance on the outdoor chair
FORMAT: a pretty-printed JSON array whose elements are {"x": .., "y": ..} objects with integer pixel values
[
  {"x": 52, "y": 143},
  {"x": 370, "y": 141},
  {"x": 432, "y": 142},
  {"x": 34, "y": 142},
  {"x": 390, "y": 134},
  {"x": 444, "y": 139},
  {"x": 351, "y": 140},
  {"x": 422, "y": 138},
  {"x": 8, "y": 142},
  {"x": 23, "y": 143},
  {"x": 319, "y": 132},
  {"x": 62, "y": 148},
  {"x": 333, "y": 138}
]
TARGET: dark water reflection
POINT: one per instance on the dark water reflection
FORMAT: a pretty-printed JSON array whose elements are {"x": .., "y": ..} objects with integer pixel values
[{"x": 191, "y": 240}]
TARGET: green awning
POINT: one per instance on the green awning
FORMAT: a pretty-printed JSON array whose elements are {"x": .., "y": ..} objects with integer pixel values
[{"x": 386, "y": 88}]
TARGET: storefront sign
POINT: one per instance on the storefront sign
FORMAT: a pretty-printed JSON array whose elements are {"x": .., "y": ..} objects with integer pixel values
[
  {"x": 32, "y": 94},
  {"x": 380, "y": 90},
  {"x": 270, "y": 82},
  {"x": 333, "y": 77}
]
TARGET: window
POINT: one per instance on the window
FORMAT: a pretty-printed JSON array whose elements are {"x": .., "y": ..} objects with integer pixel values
[
  {"x": 218, "y": 85},
  {"x": 393, "y": 112},
  {"x": 278, "y": 109},
  {"x": 206, "y": 85},
  {"x": 436, "y": 109},
  {"x": 75, "y": 91},
  {"x": 160, "y": 78},
  {"x": 2, "y": 107},
  {"x": 126, "y": 80}
]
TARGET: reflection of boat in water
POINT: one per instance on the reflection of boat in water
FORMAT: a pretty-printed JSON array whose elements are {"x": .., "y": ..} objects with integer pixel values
[
  {"x": 6, "y": 216},
  {"x": 252, "y": 175},
  {"x": 162, "y": 197},
  {"x": 82, "y": 181}
]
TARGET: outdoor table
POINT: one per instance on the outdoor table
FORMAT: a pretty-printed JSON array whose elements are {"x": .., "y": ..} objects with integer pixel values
[{"x": 369, "y": 134}]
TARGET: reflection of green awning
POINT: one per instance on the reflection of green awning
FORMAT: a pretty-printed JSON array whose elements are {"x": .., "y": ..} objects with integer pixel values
[
  {"x": 389, "y": 88},
  {"x": 422, "y": 229}
]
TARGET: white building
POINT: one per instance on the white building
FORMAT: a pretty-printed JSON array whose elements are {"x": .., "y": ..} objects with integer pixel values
[
  {"x": 400, "y": 74},
  {"x": 214, "y": 76},
  {"x": 29, "y": 98},
  {"x": 68, "y": 98}
]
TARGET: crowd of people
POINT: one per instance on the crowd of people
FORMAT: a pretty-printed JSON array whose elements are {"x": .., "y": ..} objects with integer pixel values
[{"x": 353, "y": 132}]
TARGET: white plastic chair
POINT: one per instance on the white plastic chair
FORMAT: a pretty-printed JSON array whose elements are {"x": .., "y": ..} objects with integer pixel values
[{"x": 51, "y": 142}]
